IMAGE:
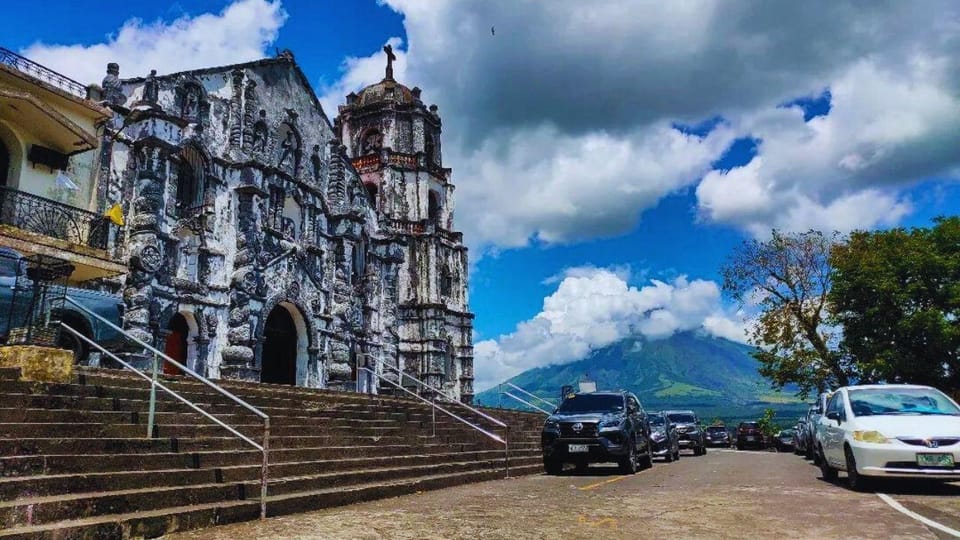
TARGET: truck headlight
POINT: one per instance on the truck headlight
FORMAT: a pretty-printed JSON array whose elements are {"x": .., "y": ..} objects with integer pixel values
[
  {"x": 874, "y": 437},
  {"x": 551, "y": 425}
]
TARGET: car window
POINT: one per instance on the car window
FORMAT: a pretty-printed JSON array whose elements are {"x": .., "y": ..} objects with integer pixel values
[
  {"x": 682, "y": 418},
  {"x": 901, "y": 401},
  {"x": 835, "y": 404},
  {"x": 591, "y": 403},
  {"x": 657, "y": 420}
]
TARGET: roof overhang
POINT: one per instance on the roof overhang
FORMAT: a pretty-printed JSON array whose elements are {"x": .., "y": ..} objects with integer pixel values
[{"x": 32, "y": 115}]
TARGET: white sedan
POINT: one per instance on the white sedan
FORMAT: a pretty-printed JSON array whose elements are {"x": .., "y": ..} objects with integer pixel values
[{"x": 894, "y": 430}]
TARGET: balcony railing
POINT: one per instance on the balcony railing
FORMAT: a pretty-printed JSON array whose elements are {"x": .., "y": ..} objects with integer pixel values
[
  {"x": 423, "y": 227},
  {"x": 43, "y": 73},
  {"x": 39, "y": 215}
]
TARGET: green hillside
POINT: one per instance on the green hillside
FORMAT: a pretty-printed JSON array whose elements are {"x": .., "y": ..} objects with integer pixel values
[{"x": 690, "y": 370}]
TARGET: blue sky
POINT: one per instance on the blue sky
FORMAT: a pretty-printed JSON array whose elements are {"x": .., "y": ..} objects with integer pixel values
[{"x": 607, "y": 160}]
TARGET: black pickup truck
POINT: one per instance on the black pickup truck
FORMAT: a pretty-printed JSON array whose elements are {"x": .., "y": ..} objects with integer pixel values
[{"x": 597, "y": 427}]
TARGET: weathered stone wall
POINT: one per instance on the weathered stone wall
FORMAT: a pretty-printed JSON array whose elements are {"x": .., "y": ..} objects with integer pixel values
[{"x": 241, "y": 200}]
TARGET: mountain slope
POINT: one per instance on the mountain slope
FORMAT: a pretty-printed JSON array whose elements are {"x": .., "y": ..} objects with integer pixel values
[{"x": 687, "y": 370}]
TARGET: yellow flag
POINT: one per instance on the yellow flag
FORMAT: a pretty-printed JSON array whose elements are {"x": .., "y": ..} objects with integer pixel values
[{"x": 115, "y": 213}]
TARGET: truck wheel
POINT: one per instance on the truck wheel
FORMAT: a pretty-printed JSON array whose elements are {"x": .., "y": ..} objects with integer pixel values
[
  {"x": 628, "y": 463},
  {"x": 552, "y": 466},
  {"x": 646, "y": 461}
]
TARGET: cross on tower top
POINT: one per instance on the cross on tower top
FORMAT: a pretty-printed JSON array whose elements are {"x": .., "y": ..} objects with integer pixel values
[{"x": 390, "y": 58}]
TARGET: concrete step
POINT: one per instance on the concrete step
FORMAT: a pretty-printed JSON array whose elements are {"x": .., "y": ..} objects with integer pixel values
[{"x": 156, "y": 523}]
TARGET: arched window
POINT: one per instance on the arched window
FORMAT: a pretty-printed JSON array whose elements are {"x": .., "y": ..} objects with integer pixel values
[
  {"x": 372, "y": 193},
  {"x": 449, "y": 364},
  {"x": 359, "y": 260},
  {"x": 433, "y": 207},
  {"x": 446, "y": 282},
  {"x": 191, "y": 177},
  {"x": 429, "y": 149}
]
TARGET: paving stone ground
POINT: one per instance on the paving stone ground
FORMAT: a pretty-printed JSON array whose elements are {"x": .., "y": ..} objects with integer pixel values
[{"x": 725, "y": 494}]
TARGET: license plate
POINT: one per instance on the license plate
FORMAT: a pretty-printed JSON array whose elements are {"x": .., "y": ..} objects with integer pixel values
[
  {"x": 751, "y": 438},
  {"x": 578, "y": 448},
  {"x": 935, "y": 460}
]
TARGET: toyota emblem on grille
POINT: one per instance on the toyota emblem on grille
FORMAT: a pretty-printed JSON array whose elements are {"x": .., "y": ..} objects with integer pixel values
[
  {"x": 578, "y": 427},
  {"x": 932, "y": 443}
]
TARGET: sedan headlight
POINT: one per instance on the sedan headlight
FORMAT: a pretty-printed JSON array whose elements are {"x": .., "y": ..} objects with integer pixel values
[
  {"x": 610, "y": 423},
  {"x": 874, "y": 437},
  {"x": 658, "y": 435}
]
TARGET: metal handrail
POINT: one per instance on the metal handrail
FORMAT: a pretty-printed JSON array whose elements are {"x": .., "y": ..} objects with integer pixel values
[
  {"x": 154, "y": 384},
  {"x": 525, "y": 402},
  {"x": 534, "y": 396},
  {"x": 39, "y": 71},
  {"x": 433, "y": 404},
  {"x": 441, "y": 393}
]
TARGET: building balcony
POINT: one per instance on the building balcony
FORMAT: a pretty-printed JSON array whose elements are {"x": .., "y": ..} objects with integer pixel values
[
  {"x": 35, "y": 225},
  {"x": 42, "y": 73},
  {"x": 423, "y": 227}
]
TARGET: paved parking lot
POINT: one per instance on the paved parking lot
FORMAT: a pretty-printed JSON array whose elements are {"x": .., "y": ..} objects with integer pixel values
[{"x": 725, "y": 494}]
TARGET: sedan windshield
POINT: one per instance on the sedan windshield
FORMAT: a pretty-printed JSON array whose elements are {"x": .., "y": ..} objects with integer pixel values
[
  {"x": 901, "y": 401},
  {"x": 591, "y": 403},
  {"x": 656, "y": 420}
]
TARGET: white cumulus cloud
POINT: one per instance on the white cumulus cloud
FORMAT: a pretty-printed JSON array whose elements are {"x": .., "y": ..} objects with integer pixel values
[
  {"x": 595, "y": 307},
  {"x": 241, "y": 32}
]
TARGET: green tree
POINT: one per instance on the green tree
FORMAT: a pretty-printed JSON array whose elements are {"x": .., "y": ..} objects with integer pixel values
[
  {"x": 767, "y": 425},
  {"x": 896, "y": 294},
  {"x": 788, "y": 278}
]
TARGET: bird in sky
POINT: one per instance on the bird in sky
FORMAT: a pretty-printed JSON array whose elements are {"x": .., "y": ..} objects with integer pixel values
[{"x": 493, "y": 32}]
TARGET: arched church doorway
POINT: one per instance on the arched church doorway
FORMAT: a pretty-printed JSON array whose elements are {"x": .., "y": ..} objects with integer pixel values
[
  {"x": 4, "y": 163},
  {"x": 176, "y": 344},
  {"x": 278, "y": 362}
]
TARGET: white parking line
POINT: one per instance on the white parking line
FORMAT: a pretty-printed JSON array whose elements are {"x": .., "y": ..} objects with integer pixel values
[{"x": 925, "y": 520}]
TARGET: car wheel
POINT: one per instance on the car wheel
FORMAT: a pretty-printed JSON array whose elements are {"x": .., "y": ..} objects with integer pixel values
[
  {"x": 855, "y": 480},
  {"x": 676, "y": 455},
  {"x": 703, "y": 450},
  {"x": 72, "y": 343},
  {"x": 552, "y": 466},
  {"x": 646, "y": 461},
  {"x": 582, "y": 466},
  {"x": 826, "y": 471},
  {"x": 628, "y": 464},
  {"x": 668, "y": 457},
  {"x": 739, "y": 446}
]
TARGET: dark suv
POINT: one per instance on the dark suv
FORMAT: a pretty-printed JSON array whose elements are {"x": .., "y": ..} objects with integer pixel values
[
  {"x": 689, "y": 431},
  {"x": 749, "y": 434},
  {"x": 718, "y": 436},
  {"x": 597, "y": 427}
]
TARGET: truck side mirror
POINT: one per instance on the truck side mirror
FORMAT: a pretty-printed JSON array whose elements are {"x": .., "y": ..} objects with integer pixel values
[{"x": 834, "y": 415}]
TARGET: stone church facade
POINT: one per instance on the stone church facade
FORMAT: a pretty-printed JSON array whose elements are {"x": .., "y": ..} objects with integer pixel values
[{"x": 267, "y": 243}]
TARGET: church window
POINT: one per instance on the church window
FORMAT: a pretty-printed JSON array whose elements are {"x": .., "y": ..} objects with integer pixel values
[
  {"x": 190, "y": 181},
  {"x": 359, "y": 265},
  {"x": 372, "y": 192},
  {"x": 429, "y": 149},
  {"x": 433, "y": 207},
  {"x": 446, "y": 282},
  {"x": 449, "y": 364},
  {"x": 371, "y": 142}
]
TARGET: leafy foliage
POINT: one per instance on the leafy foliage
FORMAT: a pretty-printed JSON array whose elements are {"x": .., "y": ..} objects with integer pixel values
[
  {"x": 897, "y": 295},
  {"x": 789, "y": 278},
  {"x": 767, "y": 425}
]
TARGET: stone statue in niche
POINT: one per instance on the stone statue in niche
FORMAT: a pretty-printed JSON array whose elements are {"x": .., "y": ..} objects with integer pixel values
[
  {"x": 260, "y": 133},
  {"x": 316, "y": 161},
  {"x": 372, "y": 142},
  {"x": 151, "y": 90},
  {"x": 287, "y": 147},
  {"x": 191, "y": 103},
  {"x": 112, "y": 89}
]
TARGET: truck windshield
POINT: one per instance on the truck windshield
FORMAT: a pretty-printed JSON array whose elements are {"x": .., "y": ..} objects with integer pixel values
[
  {"x": 591, "y": 403},
  {"x": 682, "y": 418}
]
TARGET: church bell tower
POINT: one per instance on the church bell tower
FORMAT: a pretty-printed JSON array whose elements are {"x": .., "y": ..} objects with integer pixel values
[{"x": 393, "y": 140}]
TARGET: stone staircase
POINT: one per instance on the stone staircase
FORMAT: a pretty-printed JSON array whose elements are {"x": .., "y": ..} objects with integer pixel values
[{"x": 75, "y": 461}]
